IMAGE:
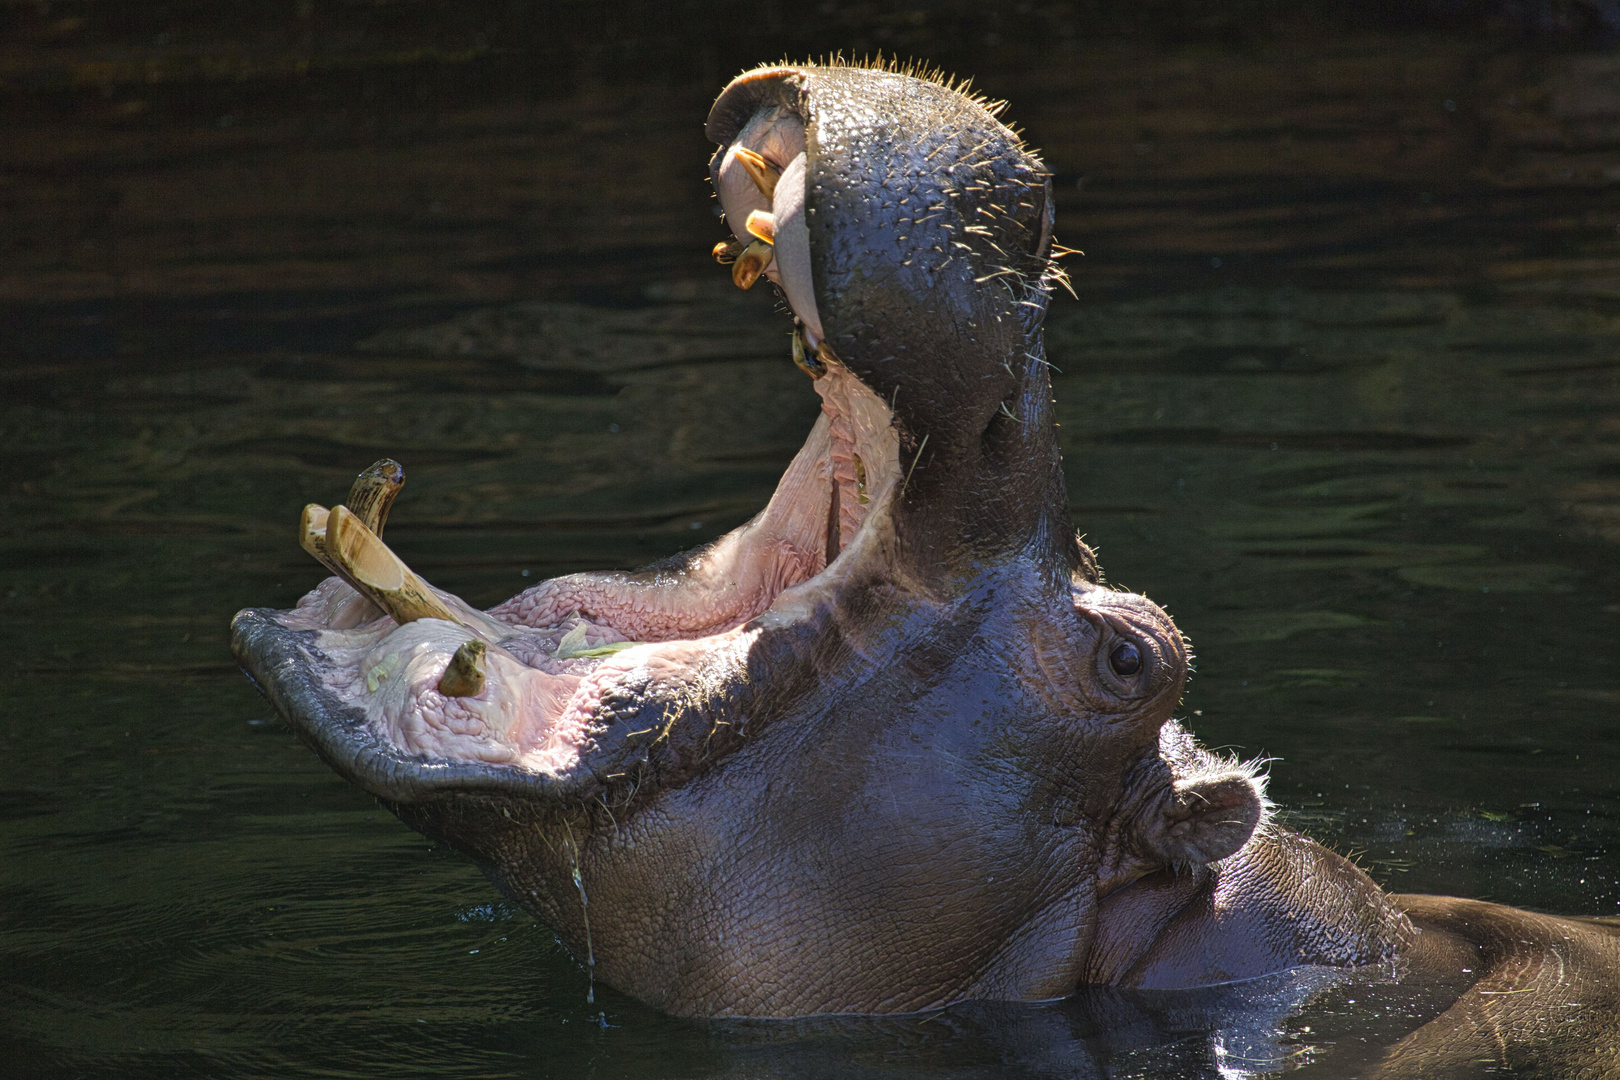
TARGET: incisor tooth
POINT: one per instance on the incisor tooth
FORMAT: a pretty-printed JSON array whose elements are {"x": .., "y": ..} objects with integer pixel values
[
  {"x": 761, "y": 172},
  {"x": 365, "y": 562},
  {"x": 373, "y": 493},
  {"x": 464, "y": 677},
  {"x": 750, "y": 264},
  {"x": 762, "y": 223}
]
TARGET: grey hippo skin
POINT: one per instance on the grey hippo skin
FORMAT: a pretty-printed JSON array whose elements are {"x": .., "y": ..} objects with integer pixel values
[{"x": 893, "y": 744}]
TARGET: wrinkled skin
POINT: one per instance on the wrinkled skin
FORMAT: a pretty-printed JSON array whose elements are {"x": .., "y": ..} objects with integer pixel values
[{"x": 893, "y": 744}]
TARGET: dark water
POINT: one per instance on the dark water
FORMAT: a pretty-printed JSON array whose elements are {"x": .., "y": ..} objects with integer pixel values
[{"x": 1341, "y": 388}]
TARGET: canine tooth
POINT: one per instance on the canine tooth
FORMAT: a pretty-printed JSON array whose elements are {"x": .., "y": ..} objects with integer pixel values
[
  {"x": 761, "y": 172},
  {"x": 373, "y": 493},
  {"x": 465, "y": 675},
  {"x": 726, "y": 251},
  {"x": 750, "y": 264},
  {"x": 368, "y": 564},
  {"x": 762, "y": 223},
  {"x": 808, "y": 362}
]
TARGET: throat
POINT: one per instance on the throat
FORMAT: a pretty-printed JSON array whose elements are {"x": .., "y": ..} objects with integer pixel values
[{"x": 847, "y": 469}]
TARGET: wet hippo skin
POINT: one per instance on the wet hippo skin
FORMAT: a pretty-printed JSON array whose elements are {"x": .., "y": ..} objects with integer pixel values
[{"x": 894, "y": 743}]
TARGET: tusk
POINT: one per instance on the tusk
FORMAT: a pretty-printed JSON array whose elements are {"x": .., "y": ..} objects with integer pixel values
[
  {"x": 726, "y": 251},
  {"x": 761, "y": 172},
  {"x": 373, "y": 493},
  {"x": 809, "y": 362},
  {"x": 464, "y": 677},
  {"x": 312, "y": 535},
  {"x": 750, "y": 264},
  {"x": 762, "y": 223},
  {"x": 382, "y": 577},
  {"x": 312, "y": 538}
]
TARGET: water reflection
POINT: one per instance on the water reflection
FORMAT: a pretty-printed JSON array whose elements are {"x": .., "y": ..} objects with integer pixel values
[
  {"x": 1342, "y": 391},
  {"x": 1334, "y": 1020}
]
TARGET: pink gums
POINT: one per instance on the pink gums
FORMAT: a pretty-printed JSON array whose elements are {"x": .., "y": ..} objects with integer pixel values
[{"x": 527, "y": 717}]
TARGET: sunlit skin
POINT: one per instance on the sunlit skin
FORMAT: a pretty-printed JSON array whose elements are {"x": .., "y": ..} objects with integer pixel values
[{"x": 893, "y": 744}]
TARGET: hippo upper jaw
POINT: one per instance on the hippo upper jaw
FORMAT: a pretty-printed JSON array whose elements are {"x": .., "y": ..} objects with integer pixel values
[{"x": 919, "y": 257}]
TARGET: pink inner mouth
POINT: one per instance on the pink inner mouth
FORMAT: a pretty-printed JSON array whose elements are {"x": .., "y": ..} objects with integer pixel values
[{"x": 546, "y": 672}]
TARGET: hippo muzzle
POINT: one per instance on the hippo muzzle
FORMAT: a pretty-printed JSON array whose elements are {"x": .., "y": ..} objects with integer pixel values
[{"x": 888, "y": 745}]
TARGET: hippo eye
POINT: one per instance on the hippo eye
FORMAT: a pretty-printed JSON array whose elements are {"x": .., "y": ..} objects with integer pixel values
[{"x": 1126, "y": 659}]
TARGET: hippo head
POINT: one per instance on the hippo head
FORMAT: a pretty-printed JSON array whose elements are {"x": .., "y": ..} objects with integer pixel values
[{"x": 884, "y": 747}]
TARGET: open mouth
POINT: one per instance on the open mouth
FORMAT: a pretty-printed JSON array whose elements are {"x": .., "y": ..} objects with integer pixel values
[
  {"x": 403, "y": 683},
  {"x": 529, "y": 684}
]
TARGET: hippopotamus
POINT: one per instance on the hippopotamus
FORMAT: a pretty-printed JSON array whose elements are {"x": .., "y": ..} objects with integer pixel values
[{"x": 894, "y": 743}]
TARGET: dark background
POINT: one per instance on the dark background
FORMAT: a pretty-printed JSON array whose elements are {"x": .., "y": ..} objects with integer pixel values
[{"x": 1340, "y": 387}]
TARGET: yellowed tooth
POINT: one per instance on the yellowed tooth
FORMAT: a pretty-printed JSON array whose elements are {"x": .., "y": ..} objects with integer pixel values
[
  {"x": 750, "y": 264},
  {"x": 860, "y": 479},
  {"x": 312, "y": 538},
  {"x": 464, "y": 677},
  {"x": 365, "y": 562},
  {"x": 726, "y": 251},
  {"x": 312, "y": 535},
  {"x": 762, "y": 223},
  {"x": 825, "y": 354},
  {"x": 373, "y": 493},
  {"x": 808, "y": 362},
  {"x": 761, "y": 172}
]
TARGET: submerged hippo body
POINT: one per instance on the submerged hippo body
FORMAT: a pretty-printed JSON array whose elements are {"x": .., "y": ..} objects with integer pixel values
[{"x": 892, "y": 744}]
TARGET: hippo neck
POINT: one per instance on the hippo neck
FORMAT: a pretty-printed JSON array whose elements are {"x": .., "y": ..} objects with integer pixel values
[{"x": 984, "y": 481}]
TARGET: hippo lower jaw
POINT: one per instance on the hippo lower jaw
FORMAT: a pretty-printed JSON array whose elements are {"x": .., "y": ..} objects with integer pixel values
[{"x": 571, "y": 659}]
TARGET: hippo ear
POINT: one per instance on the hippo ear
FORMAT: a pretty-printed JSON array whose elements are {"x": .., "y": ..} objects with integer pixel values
[{"x": 1206, "y": 818}]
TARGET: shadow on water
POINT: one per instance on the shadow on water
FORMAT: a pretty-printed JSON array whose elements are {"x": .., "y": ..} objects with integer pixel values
[{"x": 1341, "y": 388}]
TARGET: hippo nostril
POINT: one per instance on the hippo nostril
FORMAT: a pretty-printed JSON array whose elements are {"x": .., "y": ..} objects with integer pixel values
[{"x": 1126, "y": 659}]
